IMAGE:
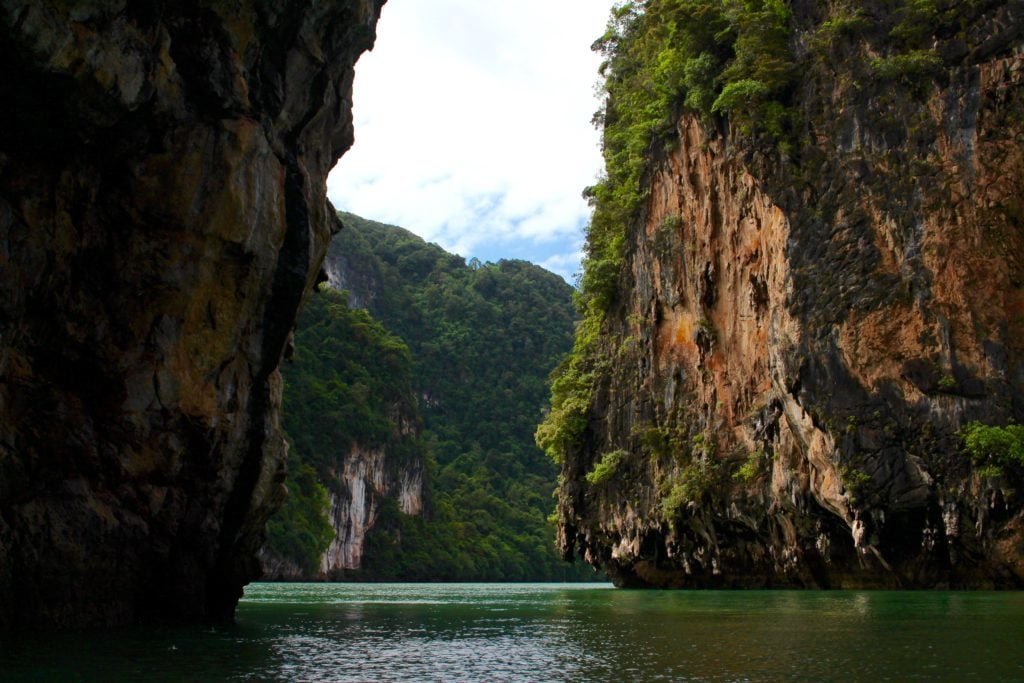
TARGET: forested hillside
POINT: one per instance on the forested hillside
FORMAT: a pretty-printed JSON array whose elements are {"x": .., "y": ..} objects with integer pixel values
[
  {"x": 348, "y": 394},
  {"x": 482, "y": 340}
]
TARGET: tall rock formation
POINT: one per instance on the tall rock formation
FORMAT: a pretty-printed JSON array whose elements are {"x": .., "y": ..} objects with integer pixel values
[
  {"x": 162, "y": 215},
  {"x": 365, "y": 479},
  {"x": 800, "y": 330},
  {"x": 360, "y": 482}
]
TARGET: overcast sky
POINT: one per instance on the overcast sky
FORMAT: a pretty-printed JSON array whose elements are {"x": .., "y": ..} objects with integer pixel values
[{"x": 473, "y": 126}]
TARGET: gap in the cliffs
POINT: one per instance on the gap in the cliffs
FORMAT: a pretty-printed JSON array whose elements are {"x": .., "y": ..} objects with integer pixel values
[{"x": 420, "y": 369}]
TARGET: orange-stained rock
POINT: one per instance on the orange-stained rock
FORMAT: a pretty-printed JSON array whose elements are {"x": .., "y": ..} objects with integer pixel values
[{"x": 826, "y": 320}]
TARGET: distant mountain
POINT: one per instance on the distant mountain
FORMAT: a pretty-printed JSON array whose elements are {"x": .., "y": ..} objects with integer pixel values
[{"x": 472, "y": 346}]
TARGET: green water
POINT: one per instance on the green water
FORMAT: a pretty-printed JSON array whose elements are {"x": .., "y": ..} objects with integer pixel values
[{"x": 563, "y": 632}]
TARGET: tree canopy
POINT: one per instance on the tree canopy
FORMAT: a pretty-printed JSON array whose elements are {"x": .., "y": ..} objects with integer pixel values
[{"x": 471, "y": 345}]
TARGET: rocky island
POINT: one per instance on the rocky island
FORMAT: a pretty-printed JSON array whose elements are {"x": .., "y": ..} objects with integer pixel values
[{"x": 802, "y": 361}]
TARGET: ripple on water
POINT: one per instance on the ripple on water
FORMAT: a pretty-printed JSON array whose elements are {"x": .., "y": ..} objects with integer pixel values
[{"x": 488, "y": 632}]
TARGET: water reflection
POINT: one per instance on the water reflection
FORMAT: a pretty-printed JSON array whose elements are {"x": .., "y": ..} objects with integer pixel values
[{"x": 555, "y": 633}]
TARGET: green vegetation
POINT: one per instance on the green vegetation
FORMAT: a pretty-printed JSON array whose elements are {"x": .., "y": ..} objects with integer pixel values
[
  {"x": 918, "y": 21},
  {"x": 993, "y": 450},
  {"x": 912, "y": 68},
  {"x": 690, "y": 485},
  {"x": 712, "y": 57},
  {"x": 348, "y": 379},
  {"x": 855, "y": 480},
  {"x": 675, "y": 502},
  {"x": 751, "y": 468},
  {"x": 695, "y": 471},
  {"x": 606, "y": 467},
  {"x": 301, "y": 530},
  {"x": 907, "y": 39},
  {"x": 474, "y": 344},
  {"x": 842, "y": 25},
  {"x": 572, "y": 385}
]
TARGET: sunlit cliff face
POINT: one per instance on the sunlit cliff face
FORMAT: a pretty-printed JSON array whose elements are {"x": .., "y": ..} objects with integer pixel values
[{"x": 800, "y": 334}]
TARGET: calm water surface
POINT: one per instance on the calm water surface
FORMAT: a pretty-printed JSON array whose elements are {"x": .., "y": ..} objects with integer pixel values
[{"x": 555, "y": 632}]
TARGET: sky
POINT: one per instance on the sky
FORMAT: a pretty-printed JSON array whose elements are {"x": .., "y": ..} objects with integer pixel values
[{"x": 473, "y": 128}]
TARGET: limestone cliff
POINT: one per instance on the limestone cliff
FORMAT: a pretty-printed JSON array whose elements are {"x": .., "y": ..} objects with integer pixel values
[
  {"x": 162, "y": 215},
  {"x": 799, "y": 332},
  {"x": 359, "y": 479},
  {"x": 366, "y": 479}
]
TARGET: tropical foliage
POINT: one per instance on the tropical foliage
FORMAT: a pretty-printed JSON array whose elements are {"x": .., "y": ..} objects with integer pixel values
[
  {"x": 474, "y": 344},
  {"x": 994, "y": 449},
  {"x": 348, "y": 380},
  {"x": 348, "y": 375},
  {"x": 662, "y": 57},
  {"x": 300, "y": 531}
]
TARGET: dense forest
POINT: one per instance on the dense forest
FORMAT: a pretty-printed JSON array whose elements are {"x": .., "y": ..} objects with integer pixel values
[
  {"x": 349, "y": 384},
  {"x": 466, "y": 349}
]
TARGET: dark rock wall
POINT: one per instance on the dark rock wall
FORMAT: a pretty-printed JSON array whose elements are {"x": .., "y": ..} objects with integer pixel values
[
  {"x": 162, "y": 215},
  {"x": 801, "y": 335}
]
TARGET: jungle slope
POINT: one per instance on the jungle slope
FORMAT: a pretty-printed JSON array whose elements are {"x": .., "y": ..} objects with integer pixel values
[
  {"x": 451, "y": 487},
  {"x": 352, "y": 418}
]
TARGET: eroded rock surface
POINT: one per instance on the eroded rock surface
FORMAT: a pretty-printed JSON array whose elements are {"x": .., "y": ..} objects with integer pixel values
[
  {"x": 162, "y": 215},
  {"x": 801, "y": 336},
  {"x": 365, "y": 479}
]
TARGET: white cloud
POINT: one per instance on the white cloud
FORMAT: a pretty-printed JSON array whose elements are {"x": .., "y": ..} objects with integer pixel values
[
  {"x": 567, "y": 265},
  {"x": 473, "y": 126}
]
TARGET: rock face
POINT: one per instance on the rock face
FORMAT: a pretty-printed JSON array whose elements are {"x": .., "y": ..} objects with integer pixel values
[
  {"x": 365, "y": 479},
  {"x": 800, "y": 336},
  {"x": 162, "y": 215}
]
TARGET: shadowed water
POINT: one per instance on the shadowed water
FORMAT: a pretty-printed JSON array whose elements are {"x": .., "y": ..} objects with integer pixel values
[{"x": 542, "y": 632}]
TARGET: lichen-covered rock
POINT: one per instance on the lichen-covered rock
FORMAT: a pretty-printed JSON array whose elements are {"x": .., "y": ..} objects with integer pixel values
[
  {"x": 800, "y": 335},
  {"x": 162, "y": 215}
]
